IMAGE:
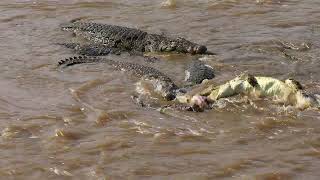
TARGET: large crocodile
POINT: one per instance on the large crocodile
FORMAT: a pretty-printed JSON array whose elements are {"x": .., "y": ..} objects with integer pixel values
[
  {"x": 128, "y": 39},
  {"x": 162, "y": 83}
]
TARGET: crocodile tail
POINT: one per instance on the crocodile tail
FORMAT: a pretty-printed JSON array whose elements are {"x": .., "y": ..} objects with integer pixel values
[{"x": 78, "y": 60}]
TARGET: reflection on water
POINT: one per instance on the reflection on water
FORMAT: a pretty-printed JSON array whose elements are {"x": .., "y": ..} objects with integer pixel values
[{"x": 82, "y": 123}]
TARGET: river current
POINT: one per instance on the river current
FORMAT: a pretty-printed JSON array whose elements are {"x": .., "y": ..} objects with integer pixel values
[{"x": 81, "y": 122}]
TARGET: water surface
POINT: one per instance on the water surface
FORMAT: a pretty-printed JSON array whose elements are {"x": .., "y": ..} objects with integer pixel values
[{"x": 81, "y": 123}]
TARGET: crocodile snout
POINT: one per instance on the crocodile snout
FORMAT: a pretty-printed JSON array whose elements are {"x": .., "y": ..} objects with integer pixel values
[{"x": 199, "y": 49}]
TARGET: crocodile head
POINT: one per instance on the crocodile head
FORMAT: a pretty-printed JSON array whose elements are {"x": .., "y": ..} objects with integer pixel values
[
  {"x": 166, "y": 89},
  {"x": 182, "y": 45},
  {"x": 158, "y": 43}
]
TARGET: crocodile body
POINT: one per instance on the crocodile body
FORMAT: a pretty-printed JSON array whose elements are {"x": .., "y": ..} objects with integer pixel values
[
  {"x": 130, "y": 39},
  {"x": 162, "y": 83},
  {"x": 91, "y": 49}
]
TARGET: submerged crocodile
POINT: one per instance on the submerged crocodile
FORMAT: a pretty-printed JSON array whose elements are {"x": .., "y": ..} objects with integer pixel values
[
  {"x": 111, "y": 38},
  {"x": 162, "y": 83}
]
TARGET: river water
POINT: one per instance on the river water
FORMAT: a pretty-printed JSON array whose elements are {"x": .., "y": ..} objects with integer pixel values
[{"x": 81, "y": 122}]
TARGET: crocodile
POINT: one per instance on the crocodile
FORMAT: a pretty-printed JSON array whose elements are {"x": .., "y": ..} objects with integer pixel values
[
  {"x": 161, "y": 82},
  {"x": 106, "y": 36},
  {"x": 288, "y": 92}
]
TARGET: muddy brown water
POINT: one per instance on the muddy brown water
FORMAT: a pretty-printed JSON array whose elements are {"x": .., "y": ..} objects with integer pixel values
[{"x": 81, "y": 123}]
